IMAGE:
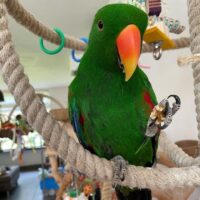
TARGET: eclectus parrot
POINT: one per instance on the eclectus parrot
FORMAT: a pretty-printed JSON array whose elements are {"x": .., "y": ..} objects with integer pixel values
[{"x": 111, "y": 98}]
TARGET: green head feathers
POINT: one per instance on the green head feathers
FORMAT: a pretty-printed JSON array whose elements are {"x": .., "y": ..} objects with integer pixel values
[
  {"x": 116, "y": 38},
  {"x": 111, "y": 19}
]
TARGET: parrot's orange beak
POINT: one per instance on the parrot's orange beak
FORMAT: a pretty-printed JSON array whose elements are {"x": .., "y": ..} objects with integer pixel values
[{"x": 128, "y": 45}]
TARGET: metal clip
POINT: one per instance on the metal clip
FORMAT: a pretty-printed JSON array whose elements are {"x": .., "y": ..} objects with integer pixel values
[{"x": 157, "y": 50}]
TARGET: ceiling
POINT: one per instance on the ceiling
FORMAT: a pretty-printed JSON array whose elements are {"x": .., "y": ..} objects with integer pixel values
[{"x": 73, "y": 17}]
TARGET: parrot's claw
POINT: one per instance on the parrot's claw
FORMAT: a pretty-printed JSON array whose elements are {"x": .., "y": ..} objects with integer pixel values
[
  {"x": 176, "y": 105},
  {"x": 167, "y": 117},
  {"x": 170, "y": 111},
  {"x": 120, "y": 168}
]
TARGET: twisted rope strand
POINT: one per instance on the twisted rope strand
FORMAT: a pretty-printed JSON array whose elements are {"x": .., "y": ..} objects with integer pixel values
[
  {"x": 26, "y": 19},
  {"x": 194, "y": 16},
  {"x": 70, "y": 151},
  {"x": 176, "y": 154},
  {"x": 179, "y": 43},
  {"x": 186, "y": 60},
  {"x": 106, "y": 192}
]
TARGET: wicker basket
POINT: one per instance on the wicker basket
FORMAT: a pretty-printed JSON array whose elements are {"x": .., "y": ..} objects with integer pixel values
[
  {"x": 189, "y": 146},
  {"x": 60, "y": 114}
]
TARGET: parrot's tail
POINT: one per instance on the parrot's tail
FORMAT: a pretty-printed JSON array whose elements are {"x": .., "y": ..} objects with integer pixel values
[{"x": 137, "y": 194}]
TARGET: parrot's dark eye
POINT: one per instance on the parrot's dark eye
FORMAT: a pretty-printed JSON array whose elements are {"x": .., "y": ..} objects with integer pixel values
[{"x": 100, "y": 25}]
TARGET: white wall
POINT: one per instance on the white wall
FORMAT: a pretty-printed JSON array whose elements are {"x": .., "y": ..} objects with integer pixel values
[{"x": 61, "y": 94}]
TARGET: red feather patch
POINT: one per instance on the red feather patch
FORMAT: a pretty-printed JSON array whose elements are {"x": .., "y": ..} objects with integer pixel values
[
  {"x": 148, "y": 100},
  {"x": 69, "y": 93},
  {"x": 81, "y": 120}
]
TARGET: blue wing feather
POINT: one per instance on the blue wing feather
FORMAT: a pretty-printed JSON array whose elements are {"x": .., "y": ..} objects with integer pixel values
[{"x": 78, "y": 128}]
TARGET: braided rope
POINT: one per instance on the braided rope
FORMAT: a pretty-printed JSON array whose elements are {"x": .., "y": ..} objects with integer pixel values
[
  {"x": 41, "y": 96},
  {"x": 176, "y": 154},
  {"x": 179, "y": 44},
  {"x": 194, "y": 18},
  {"x": 186, "y": 60},
  {"x": 26, "y": 19},
  {"x": 91, "y": 165},
  {"x": 106, "y": 191}
]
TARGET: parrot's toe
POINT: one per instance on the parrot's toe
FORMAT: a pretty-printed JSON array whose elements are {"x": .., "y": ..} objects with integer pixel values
[
  {"x": 176, "y": 105},
  {"x": 120, "y": 168},
  {"x": 162, "y": 114}
]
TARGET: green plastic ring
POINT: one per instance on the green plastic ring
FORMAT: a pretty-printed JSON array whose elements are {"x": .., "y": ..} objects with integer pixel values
[{"x": 62, "y": 44}]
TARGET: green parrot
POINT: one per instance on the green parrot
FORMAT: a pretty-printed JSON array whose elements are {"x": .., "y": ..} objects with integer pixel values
[{"x": 111, "y": 98}]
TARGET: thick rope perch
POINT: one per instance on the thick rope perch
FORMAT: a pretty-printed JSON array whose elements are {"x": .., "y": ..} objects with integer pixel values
[
  {"x": 186, "y": 60},
  {"x": 41, "y": 96},
  {"x": 70, "y": 151},
  {"x": 179, "y": 43},
  {"x": 194, "y": 17},
  {"x": 25, "y": 18},
  {"x": 176, "y": 154}
]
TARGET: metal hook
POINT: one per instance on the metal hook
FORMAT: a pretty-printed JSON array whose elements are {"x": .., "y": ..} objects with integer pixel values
[{"x": 157, "y": 50}]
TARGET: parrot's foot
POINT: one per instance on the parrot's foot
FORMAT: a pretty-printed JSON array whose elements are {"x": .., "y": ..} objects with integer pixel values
[
  {"x": 176, "y": 105},
  {"x": 161, "y": 116},
  {"x": 120, "y": 167},
  {"x": 170, "y": 111}
]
